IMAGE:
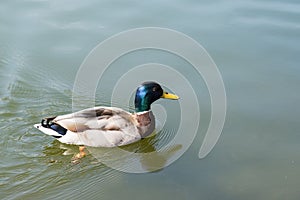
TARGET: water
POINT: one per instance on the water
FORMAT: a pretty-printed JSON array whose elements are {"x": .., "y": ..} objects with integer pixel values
[{"x": 255, "y": 45}]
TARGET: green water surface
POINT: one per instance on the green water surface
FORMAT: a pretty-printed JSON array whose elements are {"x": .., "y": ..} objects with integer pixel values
[{"x": 255, "y": 44}]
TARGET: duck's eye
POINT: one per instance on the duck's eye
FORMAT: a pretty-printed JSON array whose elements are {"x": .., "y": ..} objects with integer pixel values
[
  {"x": 167, "y": 93},
  {"x": 154, "y": 89}
]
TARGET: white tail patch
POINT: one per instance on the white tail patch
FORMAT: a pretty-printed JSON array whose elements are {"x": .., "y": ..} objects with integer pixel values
[{"x": 47, "y": 131}]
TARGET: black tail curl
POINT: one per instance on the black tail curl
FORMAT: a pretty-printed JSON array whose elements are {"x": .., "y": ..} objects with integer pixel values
[{"x": 48, "y": 123}]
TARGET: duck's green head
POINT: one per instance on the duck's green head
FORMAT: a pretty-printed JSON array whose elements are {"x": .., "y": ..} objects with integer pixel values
[{"x": 149, "y": 92}]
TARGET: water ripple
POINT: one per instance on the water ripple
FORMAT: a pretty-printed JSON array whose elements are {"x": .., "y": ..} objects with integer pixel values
[{"x": 277, "y": 14}]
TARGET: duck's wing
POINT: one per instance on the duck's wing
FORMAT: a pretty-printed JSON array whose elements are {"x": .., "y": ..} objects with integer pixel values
[
  {"x": 98, "y": 126},
  {"x": 97, "y": 118}
]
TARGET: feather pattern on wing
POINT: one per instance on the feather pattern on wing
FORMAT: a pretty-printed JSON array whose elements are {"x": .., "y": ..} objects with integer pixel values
[{"x": 98, "y": 126}]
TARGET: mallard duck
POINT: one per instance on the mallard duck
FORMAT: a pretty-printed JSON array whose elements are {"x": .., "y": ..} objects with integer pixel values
[{"x": 107, "y": 126}]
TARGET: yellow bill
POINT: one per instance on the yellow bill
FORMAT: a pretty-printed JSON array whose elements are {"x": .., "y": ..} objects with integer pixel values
[{"x": 167, "y": 95}]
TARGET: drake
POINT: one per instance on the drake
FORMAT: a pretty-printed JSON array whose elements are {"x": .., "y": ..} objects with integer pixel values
[{"x": 108, "y": 126}]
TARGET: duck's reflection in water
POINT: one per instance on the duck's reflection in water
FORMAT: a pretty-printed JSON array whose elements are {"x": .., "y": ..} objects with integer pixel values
[{"x": 139, "y": 157}]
